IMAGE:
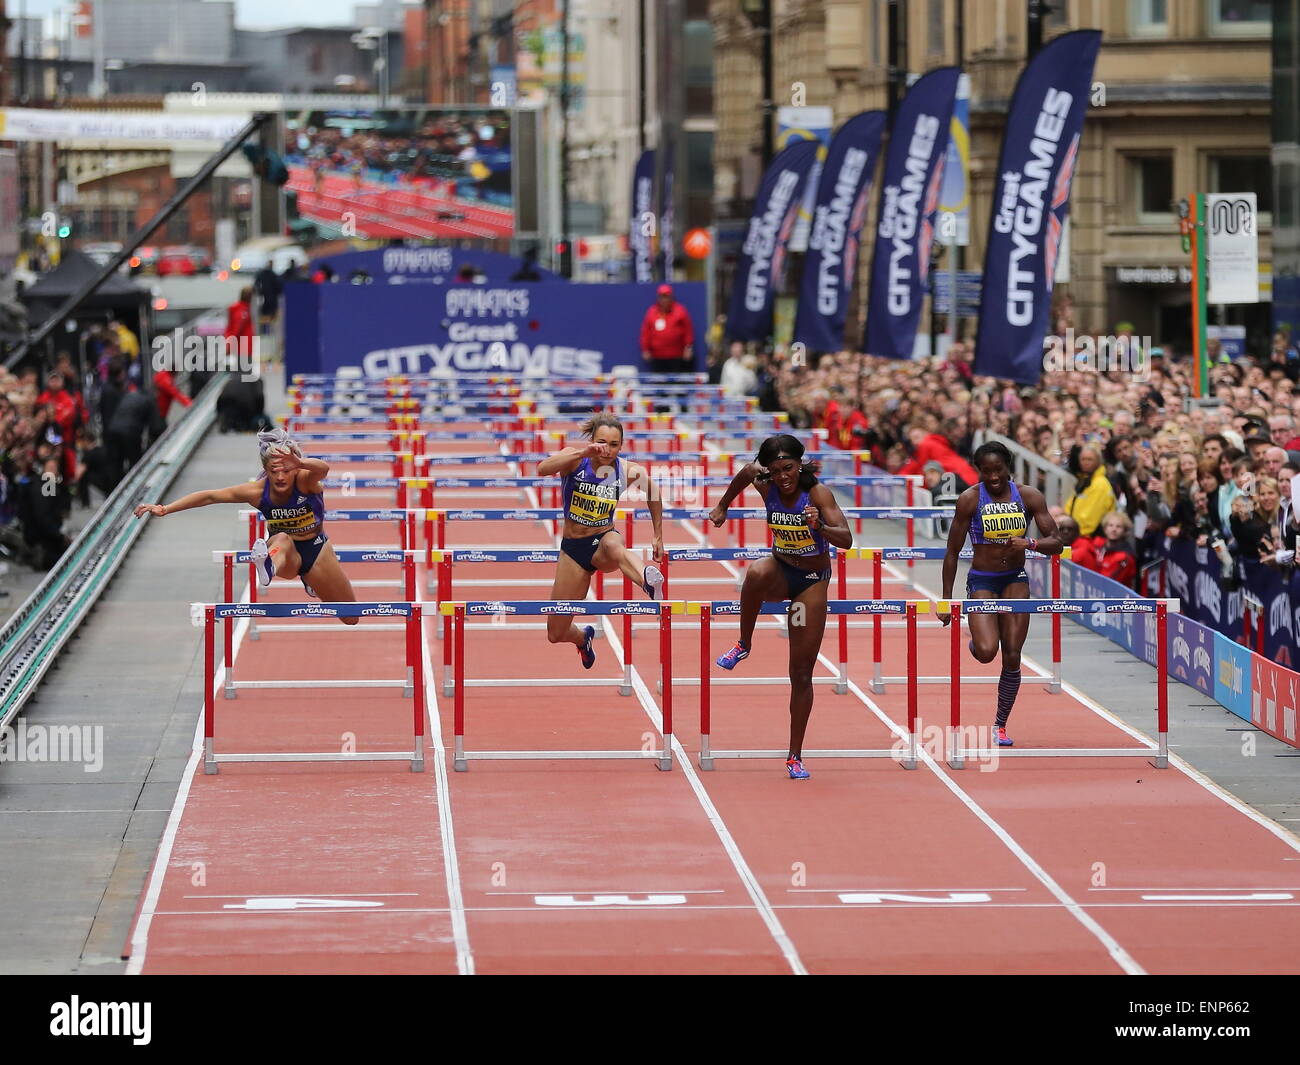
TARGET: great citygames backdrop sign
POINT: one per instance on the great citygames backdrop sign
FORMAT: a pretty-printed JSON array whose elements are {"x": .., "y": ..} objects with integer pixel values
[{"x": 540, "y": 329}]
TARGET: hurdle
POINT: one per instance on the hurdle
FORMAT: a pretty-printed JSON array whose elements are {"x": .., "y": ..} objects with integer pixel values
[
  {"x": 1156, "y": 613},
  {"x": 230, "y": 559},
  {"x": 208, "y": 614},
  {"x": 458, "y": 611},
  {"x": 878, "y": 556},
  {"x": 909, "y": 608}
]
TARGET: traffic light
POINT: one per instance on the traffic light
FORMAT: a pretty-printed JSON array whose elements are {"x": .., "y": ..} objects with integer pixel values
[
  {"x": 564, "y": 257},
  {"x": 266, "y": 164},
  {"x": 65, "y": 229}
]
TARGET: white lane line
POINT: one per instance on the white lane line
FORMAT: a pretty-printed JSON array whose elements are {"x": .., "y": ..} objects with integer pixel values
[
  {"x": 747, "y": 877},
  {"x": 1113, "y": 948},
  {"x": 140, "y": 937},
  {"x": 451, "y": 864},
  {"x": 1285, "y": 835}
]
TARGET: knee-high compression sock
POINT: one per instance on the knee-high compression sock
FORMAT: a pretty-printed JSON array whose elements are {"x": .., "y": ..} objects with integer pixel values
[{"x": 1008, "y": 689}]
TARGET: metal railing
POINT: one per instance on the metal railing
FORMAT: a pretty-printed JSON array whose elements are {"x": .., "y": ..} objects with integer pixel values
[
  {"x": 37, "y": 631},
  {"x": 1027, "y": 467}
]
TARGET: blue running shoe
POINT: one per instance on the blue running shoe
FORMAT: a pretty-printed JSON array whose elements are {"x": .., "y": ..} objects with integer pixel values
[
  {"x": 732, "y": 657},
  {"x": 262, "y": 561},
  {"x": 585, "y": 652},
  {"x": 652, "y": 582},
  {"x": 794, "y": 767},
  {"x": 1001, "y": 738}
]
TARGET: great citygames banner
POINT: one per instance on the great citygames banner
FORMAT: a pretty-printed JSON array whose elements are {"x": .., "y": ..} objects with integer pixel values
[
  {"x": 526, "y": 329},
  {"x": 430, "y": 264},
  {"x": 1251, "y": 685},
  {"x": 762, "y": 258},
  {"x": 643, "y": 207},
  {"x": 1031, "y": 201},
  {"x": 32, "y": 124},
  {"x": 841, "y": 209},
  {"x": 909, "y": 198}
]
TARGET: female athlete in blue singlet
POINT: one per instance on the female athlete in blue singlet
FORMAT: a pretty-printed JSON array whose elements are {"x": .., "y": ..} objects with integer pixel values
[
  {"x": 996, "y": 513},
  {"x": 290, "y": 495},
  {"x": 803, "y": 517},
  {"x": 592, "y": 479}
]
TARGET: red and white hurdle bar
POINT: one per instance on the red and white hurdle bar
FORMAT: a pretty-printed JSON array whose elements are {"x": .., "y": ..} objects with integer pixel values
[
  {"x": 1161, "y": 608},
  {"x": 208, "y": 614},
  {"x": 229, "y": 559},
  {"x": 879, "y": 555},
  {"x": 458, "y": 611}
]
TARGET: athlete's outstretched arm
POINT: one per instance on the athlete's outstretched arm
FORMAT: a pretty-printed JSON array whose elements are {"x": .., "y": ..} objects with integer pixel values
[
  {"x": 957, "y": 532},
  {"x": 1050, "y": 543},
  {"x": 248, "y": 492},
  {"x": 824, "y": 516},
  {"x": 570, "y": 459},
  {"x": 745, "y": 476}
]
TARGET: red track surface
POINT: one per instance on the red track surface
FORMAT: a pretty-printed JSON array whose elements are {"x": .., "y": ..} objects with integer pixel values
[
  {"x": 613, "y": 866},
  {"x": 394, "y": 211}
]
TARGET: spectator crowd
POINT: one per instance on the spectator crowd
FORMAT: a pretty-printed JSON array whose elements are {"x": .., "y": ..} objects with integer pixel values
[
  {"x": 1145, "y": 462},
  {"x": 63, "y": 434}
]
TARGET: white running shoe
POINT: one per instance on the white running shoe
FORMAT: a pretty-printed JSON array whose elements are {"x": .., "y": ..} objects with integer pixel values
[
  {"x": 654, "y": 582},
  {"x": 262, "y": 563}
]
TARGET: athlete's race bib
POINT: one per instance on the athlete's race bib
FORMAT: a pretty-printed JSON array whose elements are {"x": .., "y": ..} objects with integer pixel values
[
  {"x": 290, "y": 519},
  {"x": 593, "y": 504},
  {"x": 1002, "y": 521},
  {"x": 791, "y": 534}
]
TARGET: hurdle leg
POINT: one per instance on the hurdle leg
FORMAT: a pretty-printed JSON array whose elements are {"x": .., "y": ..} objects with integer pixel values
[
  {"x": 877, "y": 627},
  {"x": 1162, "y": 685},
  {"x": 626, "y": 687},
  {"x": 665, "y": 762},
  {"x": 459, "y": 762},
  {"x": 209, "y": 680},
  {"x": 842, "y": 681},
  {"x": 910, "y": 761},
  {"x": 956, "y": 757},
  {"x": 229, "y": 627},
  {"x": 1055, "y": 685},
  {"x": 253, "y": 634},
  {"x": 706, "y": 756},
  {"x": 415, "y": 624}
]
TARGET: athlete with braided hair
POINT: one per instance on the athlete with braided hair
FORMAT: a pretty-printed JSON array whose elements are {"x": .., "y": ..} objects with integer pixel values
[
  {"x": 804, "y": 518},
  {"x": 290, "y": 495}
]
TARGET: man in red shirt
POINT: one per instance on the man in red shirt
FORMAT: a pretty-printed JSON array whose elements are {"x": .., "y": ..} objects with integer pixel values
[
  {"x": 165, "y": 390},
  {"x": 667, "y": 335},
  {"x": 67, "y": 413}
]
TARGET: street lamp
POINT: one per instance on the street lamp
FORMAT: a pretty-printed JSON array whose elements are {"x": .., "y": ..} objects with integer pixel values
[
  {"x": 759, "y": 14},
  {"x": 375, "y": 39}
]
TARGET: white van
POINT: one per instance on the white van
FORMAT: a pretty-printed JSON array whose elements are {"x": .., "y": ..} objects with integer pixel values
[{"x": 280, "y": 252}]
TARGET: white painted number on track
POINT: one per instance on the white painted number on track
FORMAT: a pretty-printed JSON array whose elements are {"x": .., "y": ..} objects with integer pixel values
[
  {"x": 949, "y": 897},
  {"x": 610, "y": 900},
  {"x": 298, "y": 904}
]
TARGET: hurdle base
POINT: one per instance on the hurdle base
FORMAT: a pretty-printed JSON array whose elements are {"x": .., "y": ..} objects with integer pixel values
[{"x": 316, "y": 756}]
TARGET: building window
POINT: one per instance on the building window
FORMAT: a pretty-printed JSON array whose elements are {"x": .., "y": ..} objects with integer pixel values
[
  {"x": 1245, "y": 173},
  {"x": 1148, "y": 18},
  {"x": 1241, "y": 18},
  {"x": 1058, "y": 15},
  {"x": 935, "y": 27},
  {"x": 1153, "y": 187}
]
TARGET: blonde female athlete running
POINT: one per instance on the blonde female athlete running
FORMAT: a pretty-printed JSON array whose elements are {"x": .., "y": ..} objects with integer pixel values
[
  {"x": 593, "y": 478},
  {"x": 804, "y": 518},
  {"x": 290, "y": 495}
]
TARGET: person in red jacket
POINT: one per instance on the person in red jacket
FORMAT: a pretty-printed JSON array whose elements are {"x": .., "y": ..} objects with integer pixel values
[
  {"x": 667, "y": 335},
  {"x": 239, "y": 321},
  {"x": 928, "y": 445},
  {"x": 68, "y": 413},
  {"x": 165, "y": 390},
  {"x": 1082, "y": 551},
  {"x": 1114, "y": 549}
]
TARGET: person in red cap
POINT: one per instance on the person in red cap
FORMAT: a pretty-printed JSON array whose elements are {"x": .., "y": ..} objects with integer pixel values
[{"x": 667, "y": 335}]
